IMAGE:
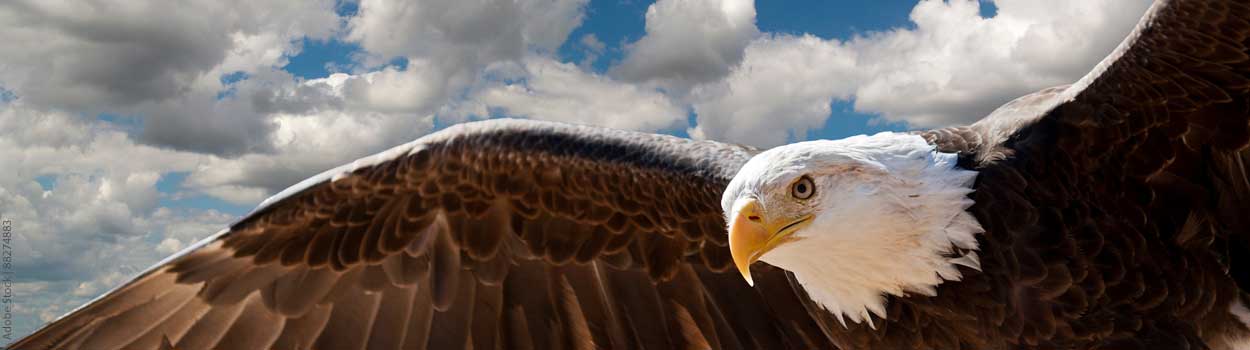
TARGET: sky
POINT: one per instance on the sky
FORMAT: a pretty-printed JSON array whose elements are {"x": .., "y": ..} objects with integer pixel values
[{"x": 132, "y": 129}]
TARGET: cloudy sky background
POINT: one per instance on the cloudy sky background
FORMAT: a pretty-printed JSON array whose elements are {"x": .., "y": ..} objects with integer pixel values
[{"x": 131, "y": 129}]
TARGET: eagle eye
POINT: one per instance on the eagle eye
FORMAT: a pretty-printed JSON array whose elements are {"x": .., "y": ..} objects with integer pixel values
[{"x": 804, "y": 188}]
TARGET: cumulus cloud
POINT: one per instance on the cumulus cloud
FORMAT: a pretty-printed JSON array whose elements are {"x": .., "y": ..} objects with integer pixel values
[
  {"x": 39, "y": 142},
  {"x": 98, "y": 220},
  {"x": 954, "y": 67},
  {"x": 305, "y": 145},
  {"x": 591, "y": 48},
  {"x": 689, "y": 42},
  {"x": 154, "y": 59},
  {"x": 562, "y": 92},
  {"x": 448, "y": 42},
  {"x": 477, "y": 30},
  {"x": 95, "y": 199},
  {"x": 419, "y": 88},
  {"x": 200, "y": 121},
  {"x": 85, "y": 55},
  {"x": 319, "y": 124},
  {"x": 269, "y": 129},
  {"x": 784, "y": 85}
]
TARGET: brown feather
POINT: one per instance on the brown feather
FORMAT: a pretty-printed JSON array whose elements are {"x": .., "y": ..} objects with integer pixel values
[
  {"x": 350, "y": 321},
  {"x": 575, "y": 325},
  {"x": 390, "y": 326},
  {"x": 209, "y": 329},
  {"x": 234, "y": 288},
  {"x": 487, "y": 317},
  {"x": 444, "y": 268},
  {"x": 128, "y": 326},
  {"x": 173, "y": 327},
  {"x": 384, "y": 221},
  {"x": 297, "y": 293},
  {"x": 419, "y": 318},
  {"x": 450, "y": 328},
  {"x": 255, "y": 328},
  {"x": 301, "y": 332},
  {"x": 691, "y": 337}
]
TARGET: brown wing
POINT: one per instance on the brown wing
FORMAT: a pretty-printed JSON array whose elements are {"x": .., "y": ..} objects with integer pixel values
[
  {"x": 1116, "y": 208},
  {"x": 497, "y": 234}
]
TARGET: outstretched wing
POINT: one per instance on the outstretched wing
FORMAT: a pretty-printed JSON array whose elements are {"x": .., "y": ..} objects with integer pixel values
[
  {"x": 497, "y": 234},
  {"x": 1128, "y": 188},
  {"x": 1166, "y": 116}
]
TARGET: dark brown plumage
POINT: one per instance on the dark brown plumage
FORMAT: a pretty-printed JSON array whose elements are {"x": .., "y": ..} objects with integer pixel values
[{"x": 1116, "y": 217}]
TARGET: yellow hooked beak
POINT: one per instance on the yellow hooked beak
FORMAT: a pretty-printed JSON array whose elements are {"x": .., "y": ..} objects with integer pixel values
[{"x": 751, "y": 235}]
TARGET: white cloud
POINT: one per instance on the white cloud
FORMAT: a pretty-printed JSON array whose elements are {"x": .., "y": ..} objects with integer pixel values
[
  {"x": 90, "y": 289},
  {"x": 563, "y": 92},
  {"x": 199, "y": 121},
  {"x": 689, "y": 42},
  {"x": 547, "y": 23},
  {"x": 169, "y": 246},
  {"x": 465, "y": 34},
  {"x": 100, "y": 220},
  {"x": 162, "y": 60},
  {"x": 88, "y": 54},
  {"x": 305, "y": 144},
  {"x": 447, "y": 44},
  {"x": 419, "y": 88},
  {"x": 783, "y": 86},
  {"x": 591, "y": 48},
  {"x": 39, "y": 142},
  {"x": 954, "y": 67},
  {"x": 592, "y": 43},
  {"x": 104, "y": 188}
]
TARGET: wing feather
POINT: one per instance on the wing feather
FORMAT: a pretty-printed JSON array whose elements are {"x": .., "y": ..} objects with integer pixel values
[
  {"x": 302, "y": 332},
  {"x": 576, "y": 327},
  {"x": 486, "y": 319},
  {"x": 350, "y": 321},
  {"x": 129, "y": 325},
  {"x": 1109, "y": 181},
  {"x": 505, "y": 233},
  {"x": 209, "y": 329},
  {"x": 530, "y": 307},
  {"x": 257, "y": 327},
  {"x": 450, "y": 328},
  {"x": 173, "y": 327},
  {"x": 391, "y": 324},
  {"x": 418, "y": 334}
]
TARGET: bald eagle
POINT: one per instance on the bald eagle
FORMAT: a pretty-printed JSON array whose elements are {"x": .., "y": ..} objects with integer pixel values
[{"x": 1113, "y": 213}]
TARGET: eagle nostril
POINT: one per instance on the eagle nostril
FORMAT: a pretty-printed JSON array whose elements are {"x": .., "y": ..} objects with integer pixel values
[{"x": 753, "y": 218}]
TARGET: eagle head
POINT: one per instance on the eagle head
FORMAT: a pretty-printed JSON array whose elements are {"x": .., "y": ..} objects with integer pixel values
[{"x": 854, "y": 220}]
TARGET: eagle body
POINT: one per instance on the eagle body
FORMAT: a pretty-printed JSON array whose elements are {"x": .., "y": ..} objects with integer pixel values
[
  {"x": 1067, "y": 261},
  {"x": 1113, "y": 213}
]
